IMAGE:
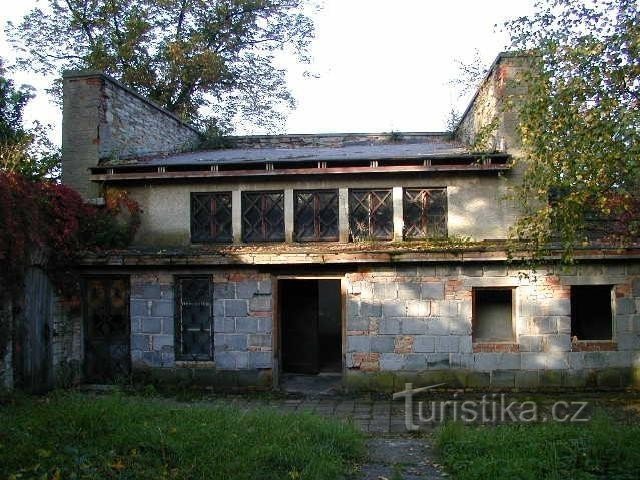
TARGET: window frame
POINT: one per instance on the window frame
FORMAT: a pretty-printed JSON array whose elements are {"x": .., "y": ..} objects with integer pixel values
[
  {"x": 370, "y": 214},
  {"x": 317, "y": 223},
  {"x": 228, "y": 236},
  {"x": 178, "y": 338},
  {"x": 424, "y": 215},
  {"x": 264, "y": 237},
  {"x": 474, "y": 315}
]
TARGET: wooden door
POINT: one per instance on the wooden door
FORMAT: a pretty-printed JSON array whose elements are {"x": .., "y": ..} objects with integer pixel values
[
  {"x": 299, "y": 321},
  {"x": 107, "y": 330},
  {"x": 34, "y": 352}
]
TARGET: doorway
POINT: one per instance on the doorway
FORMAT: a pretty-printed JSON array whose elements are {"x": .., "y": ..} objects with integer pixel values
[
  {"x": 107, "y": 329},
  {"x": 311, "y": 326}
]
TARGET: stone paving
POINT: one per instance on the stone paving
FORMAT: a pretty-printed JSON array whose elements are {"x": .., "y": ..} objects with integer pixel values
[{"x": 371, "y": 415}]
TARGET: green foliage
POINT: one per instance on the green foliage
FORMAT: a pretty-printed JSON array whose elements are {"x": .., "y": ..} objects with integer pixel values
[
  {"x": 91, "y": 437},
  {"x": 453, "y": 119},
  {"x": 25, "y": 151},
  {"x": 598, "y": 449},
  {"x": 580, "y": 125},
  {"x": 187, "y": 55},
  {"x": 470, "y": 74}
]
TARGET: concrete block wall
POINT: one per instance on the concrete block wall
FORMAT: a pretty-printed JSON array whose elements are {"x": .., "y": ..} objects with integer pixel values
[
  {"x": 415, "y": 322},
  {"x": 242, "y": 322},
  {"x": 102, "y": 119}
]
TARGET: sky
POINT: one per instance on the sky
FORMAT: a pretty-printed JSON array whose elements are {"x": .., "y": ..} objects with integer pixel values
[{"x": 381, "y": 65}]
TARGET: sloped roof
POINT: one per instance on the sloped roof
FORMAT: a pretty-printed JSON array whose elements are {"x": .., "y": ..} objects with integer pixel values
[{"x": 424, "y": 146}]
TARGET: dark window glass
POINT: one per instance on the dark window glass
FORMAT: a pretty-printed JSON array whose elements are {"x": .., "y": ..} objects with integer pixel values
[
  {"x": 211, "y": 217},
  {"x": 591, "y": 312},
  {"x": 425, "y": 212},
  {"x": 194, "y": 319},
  {"x": 263, "y": 216},
  {"x": 371, "y": 214},
  {"x": 316, "y": 215}
]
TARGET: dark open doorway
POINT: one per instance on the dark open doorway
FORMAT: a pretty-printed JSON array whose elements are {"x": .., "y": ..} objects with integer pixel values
[{"x": 311, "y": 325}]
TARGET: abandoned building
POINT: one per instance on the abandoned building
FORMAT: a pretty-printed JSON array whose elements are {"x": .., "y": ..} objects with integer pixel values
[{"x": 379, "y": 258}]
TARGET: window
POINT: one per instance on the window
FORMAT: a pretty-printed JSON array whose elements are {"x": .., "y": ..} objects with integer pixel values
[
  {"x": 493, "y": 315},
  {"x": 591, "y": 312},
  {"x": 316, "y": 215},
  {"x": 194, "y": 319},
  {"x": 263, "y": 216},
  {"x": 371, "y": 214},
  {"x": 425, "y": 212},
  {"x": 211, "y": 217}
]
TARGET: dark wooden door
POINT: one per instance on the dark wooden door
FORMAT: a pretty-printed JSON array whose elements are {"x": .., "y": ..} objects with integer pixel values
[
  {"x": 299, "y": 320},
  {"x": 34, "y": 352},
  {"x": 107, "y": 353}
]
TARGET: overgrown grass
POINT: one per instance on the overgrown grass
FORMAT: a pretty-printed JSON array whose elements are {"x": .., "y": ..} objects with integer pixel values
[
  {"x": 600, "y": 448},
  {"x": 95, "y": 437}
]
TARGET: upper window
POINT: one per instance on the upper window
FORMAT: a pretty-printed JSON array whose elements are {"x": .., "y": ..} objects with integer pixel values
[
  {"x": 591, "y": 312},
  {"x": 263, "y": 216},
  {"x": 211, "y": 217},
  {"x": 425, "y": 212},
  {"x": 194, "y": 319},
  {"x": 371, "y": 214},
  {"x": 493, "y": 315},
  {"x": 316, "y": 215}
]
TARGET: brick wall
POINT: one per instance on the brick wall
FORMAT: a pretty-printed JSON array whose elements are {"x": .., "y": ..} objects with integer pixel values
[
  {"x": 102, "y": 120},
  {"x": 416, "y": 322}
]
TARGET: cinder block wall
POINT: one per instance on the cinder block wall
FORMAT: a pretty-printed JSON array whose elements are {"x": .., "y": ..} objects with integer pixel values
[
  {"x": 242, "y": 329},
  {"x": 414, "y": 324},
  {"x": 405, "y": 323},
  {"x": 102, "y": 119}
]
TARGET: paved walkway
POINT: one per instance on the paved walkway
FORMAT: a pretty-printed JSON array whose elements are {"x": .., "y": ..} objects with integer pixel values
[{"x": 375, "y": 416}]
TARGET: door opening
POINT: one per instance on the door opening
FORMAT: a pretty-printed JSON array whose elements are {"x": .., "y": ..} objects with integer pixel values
[
  {"x": 311, "y": 326},
  {"x": 107, "y": 329}
]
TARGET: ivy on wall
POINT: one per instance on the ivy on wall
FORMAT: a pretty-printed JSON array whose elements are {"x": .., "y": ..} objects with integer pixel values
[{"x": 48, "y": 224}]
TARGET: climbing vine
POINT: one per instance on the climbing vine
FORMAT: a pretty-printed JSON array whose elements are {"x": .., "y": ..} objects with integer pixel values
[{"x": 48, "y": 224}]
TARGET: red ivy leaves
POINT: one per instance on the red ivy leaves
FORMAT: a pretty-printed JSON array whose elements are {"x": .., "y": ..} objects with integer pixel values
[{"x": 53, "y": 222}]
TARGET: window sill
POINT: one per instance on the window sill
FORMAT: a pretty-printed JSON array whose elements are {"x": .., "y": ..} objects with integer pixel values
[
  {"x": 594, "y": 346},
  {"x": 195, "y": 364},
  {"x": 496, "y": 347}
]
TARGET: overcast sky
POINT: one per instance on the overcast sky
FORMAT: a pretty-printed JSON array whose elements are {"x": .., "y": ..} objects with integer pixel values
[{"x": 383, "y": 65}]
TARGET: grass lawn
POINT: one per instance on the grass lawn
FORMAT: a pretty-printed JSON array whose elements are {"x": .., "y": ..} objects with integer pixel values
[
  {"x": 70, "y": 435},
  {"x": 599, "y": 449}
]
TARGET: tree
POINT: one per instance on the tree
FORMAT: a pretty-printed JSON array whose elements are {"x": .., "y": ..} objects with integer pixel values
[
  {"x": 189, "y": 56},
  {"x": 23, "y": 150},
  {"x": 579, "y": 125}
]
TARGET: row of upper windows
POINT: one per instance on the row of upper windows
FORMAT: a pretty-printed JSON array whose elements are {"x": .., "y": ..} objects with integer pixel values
[{"x": 316, "y": 217}]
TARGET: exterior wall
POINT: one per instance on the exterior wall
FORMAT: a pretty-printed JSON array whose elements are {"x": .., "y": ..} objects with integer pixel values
[
  {"x": 68, "y": 347},
  {"x": 242, "y": 329},
  {"x": 486, "y": 125},
  {"x": 332, "y": 140},
  {"x": 403, "y": 323},
  {"x": 102, "y": 119},
  {"x": 166, "y": 208},
  {"x": 414, "y": 324},
  {"x": 6, "y": 360}
]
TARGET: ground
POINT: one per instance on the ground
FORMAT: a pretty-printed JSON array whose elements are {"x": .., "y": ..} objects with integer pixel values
[{"x": 286, "y": 435}]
